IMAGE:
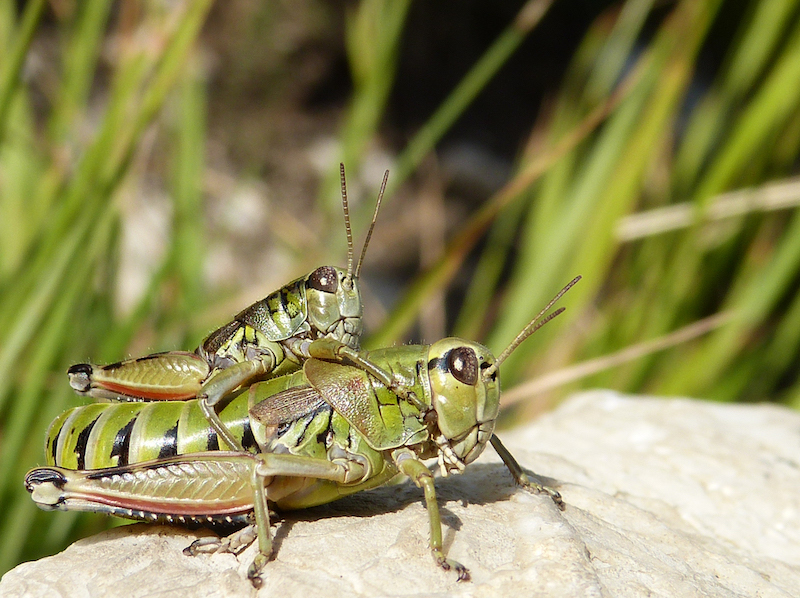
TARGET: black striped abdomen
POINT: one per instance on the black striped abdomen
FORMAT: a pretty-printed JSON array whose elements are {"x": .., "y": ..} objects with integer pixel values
[{"x": 114, "y": 434}]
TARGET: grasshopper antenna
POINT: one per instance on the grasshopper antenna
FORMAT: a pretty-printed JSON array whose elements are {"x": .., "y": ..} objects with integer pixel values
[
  {"x": 530, "y": 328},
  {"x": 348, "y": 229},
  {"x": 372, "y": 225}
]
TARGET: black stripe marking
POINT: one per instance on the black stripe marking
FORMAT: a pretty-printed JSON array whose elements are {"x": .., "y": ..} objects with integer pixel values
[
  {"x": 284, "y": 302},
  {"x": 54, "y": 448},
  {"x": 306, "y": 423},
  {"x": 80, "y": 368},
  {"x": 151, "y": 356},
  {"x": 323, "y": 409},
  {"x": 330, "y": 434},
  {"x": 80, "y": 445},
  {"x": 322, "y": 438},
  {"x": 248, "y": 440},
  {"x": 122, "y": 443},
  {"x": 110, "y": 472},
  {"x": 169, "y": 447},
  {"x": 213, "y": 440},
  {"x": 437, "y": 363}
]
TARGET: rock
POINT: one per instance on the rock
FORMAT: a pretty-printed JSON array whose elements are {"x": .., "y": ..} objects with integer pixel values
[{"x": 667, "y": 498}]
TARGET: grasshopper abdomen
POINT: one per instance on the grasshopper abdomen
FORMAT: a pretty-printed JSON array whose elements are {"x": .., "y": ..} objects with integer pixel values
[{"x": 117, "y": 434}]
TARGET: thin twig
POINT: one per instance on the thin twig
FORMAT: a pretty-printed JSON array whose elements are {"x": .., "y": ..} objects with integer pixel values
[{"x": 767, "y": 198}]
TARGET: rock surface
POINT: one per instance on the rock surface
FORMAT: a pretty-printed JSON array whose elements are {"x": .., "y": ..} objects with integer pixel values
[{"x": 665, "y": 497}]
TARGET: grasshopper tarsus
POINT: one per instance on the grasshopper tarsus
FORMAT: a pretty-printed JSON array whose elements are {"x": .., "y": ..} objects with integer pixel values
[
  {"x": 233, "y": 543},
  {"x": 446, "y": 564},
  {"x": 537, "y": 488},
  {"x": 552, "y": 493},
  {"x": 556, "y": 496},
  {"x": 256, "y": 581},
  {"x": 254, "y": 570}
]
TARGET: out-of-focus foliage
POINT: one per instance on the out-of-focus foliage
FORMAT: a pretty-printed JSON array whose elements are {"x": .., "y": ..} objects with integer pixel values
[{"x": 670, "y": 192}]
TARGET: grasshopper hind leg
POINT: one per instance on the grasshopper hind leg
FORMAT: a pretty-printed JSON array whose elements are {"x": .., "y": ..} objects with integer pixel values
[{"x": 176, "y": 375}]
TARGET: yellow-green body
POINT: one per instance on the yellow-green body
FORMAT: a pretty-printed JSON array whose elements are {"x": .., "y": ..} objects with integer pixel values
[{"x": 348, "y": 421}]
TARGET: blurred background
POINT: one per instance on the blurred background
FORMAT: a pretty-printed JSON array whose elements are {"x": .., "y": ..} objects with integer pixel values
[{"x": 165, "y": 163}]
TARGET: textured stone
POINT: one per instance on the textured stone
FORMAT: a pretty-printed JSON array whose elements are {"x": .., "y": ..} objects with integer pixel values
[{"x": 665, "y": 497}]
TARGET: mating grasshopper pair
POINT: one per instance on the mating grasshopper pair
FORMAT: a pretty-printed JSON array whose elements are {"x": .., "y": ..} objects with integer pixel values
[{"x": 347, "y": 421}]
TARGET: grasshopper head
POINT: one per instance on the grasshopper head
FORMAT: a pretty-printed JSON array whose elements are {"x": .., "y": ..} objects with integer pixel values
[
  {"x": 334, "y": 304},
  {"x": 333, "y": 295},
  {"x": 466, "y": 391},
  {"x": 466, "y": 398}
]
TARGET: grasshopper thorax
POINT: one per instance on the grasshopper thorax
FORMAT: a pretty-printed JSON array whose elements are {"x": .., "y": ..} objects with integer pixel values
[{"x": 465, "y": 400}]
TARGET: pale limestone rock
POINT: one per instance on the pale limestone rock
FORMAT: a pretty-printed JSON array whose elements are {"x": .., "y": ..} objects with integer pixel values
[{"x": 665, "y": 497}]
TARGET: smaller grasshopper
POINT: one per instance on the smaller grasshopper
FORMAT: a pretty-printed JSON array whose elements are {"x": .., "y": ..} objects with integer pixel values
[
  {"x": 348, "y": 421},
  {"x": 267, "y": 339}
]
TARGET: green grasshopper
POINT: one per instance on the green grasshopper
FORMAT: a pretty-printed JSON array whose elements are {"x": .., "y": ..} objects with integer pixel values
[
  {"x": 348, "y": 421},
  {"x": 268, "y": 339}
]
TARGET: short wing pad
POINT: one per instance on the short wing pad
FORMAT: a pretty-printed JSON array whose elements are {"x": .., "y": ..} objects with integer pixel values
[{"x": 287, "y": 406}]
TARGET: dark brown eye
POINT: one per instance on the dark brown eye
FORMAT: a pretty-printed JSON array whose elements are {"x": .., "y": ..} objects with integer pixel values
[
  {"x": 324, "y": 279},
  {"x": 463, "y": 364}
]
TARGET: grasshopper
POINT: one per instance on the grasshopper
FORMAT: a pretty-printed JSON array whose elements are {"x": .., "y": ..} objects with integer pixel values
[
  {"x": 348, "y": 421},
  {"x": 268, "y": 339}
]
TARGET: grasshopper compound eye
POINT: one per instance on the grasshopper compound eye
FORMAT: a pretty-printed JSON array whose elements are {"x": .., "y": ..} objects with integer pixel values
[
  {"x": 463, "y": 364},
  {"x": 324, "y": 279}
]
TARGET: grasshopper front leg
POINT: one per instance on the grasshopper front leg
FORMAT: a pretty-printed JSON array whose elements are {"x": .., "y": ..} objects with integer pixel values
[{"x": 408, "y": 463}]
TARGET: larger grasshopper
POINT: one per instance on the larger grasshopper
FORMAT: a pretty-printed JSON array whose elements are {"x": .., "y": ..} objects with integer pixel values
[
  {"x": 268, "y": 339},
  {"x": 348, "y": 421}
]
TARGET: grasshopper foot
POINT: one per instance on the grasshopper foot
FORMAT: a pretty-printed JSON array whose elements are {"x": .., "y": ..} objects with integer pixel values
[
  {"x": 530, "y": 486},
  {"x": 235, "y": 543},
  {"x": 450, "y": 564},
  {"x": 254, "y": 570}
]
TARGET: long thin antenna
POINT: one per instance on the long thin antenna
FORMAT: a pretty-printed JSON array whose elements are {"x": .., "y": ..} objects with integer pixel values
[
  {"x": 348, "y": 229},
  {"x": 530, "y": 328},
  {"x": 372, "y": 225}
]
